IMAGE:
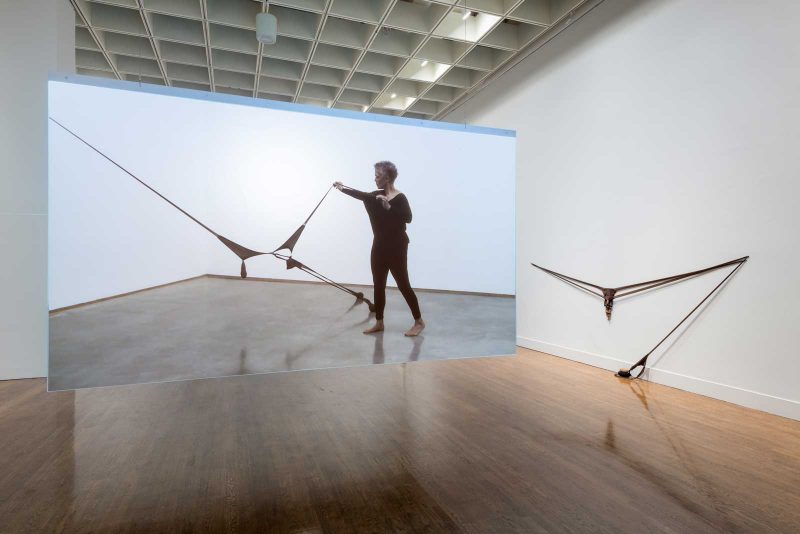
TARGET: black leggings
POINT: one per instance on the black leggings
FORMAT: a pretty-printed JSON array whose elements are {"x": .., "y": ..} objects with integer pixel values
[{"x": 386, "y": 257}]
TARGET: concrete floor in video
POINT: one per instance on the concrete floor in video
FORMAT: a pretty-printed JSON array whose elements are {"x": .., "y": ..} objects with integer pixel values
[{"x": 210, "y": 327}]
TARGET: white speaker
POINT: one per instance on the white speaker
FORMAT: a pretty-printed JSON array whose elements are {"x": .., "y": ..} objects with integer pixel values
[{"x": 266, "y": 28}]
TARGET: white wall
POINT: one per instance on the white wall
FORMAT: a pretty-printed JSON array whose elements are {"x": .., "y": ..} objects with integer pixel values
[
  {"x": 36, "y": 36},
  {"x": 254, "y": 174},
  {"x": 108, "y": 234},
  {"x": 657, "y": 137},
  {"x": 278, "y": 165}
]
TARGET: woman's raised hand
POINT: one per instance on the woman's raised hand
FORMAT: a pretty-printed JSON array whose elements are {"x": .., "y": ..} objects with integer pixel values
[{"x": 338, "y": 185}]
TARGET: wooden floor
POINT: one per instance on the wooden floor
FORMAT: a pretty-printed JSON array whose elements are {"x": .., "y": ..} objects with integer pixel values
[{"x": 526, "y": 444}]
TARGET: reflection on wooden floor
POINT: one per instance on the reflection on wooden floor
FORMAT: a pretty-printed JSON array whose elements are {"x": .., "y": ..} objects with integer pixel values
[{"x": 527, "y": 444}]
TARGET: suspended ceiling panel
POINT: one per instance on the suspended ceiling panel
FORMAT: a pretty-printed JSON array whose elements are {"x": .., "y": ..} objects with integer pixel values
[{"x": 400, "y": 57}]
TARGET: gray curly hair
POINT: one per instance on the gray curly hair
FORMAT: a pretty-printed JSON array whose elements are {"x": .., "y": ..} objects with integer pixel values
[{"x": 387, "y": 168}]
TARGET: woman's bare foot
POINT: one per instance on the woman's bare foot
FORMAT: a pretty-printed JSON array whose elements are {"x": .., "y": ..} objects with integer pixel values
[
  {"x": 419, "y": 326},
  {"x": 375, "y": 329}
]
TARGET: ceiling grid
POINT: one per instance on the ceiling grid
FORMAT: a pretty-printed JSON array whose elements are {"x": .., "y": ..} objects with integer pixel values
[
  {"x": 207, "y": 39},
  {"x": 153, "y": 44},
  {"x": 264, "y": 6},
  {"x": 412, "y": 58},
  {"x": 93, "y": 43},
  {"x": 390, "y": 86},
  {"x": 373, "y": 34},
  {"x": 314, "y": 45},
  {"x": 475, "y": 78}
]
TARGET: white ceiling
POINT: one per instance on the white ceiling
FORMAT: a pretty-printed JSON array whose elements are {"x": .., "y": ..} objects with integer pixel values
[{"x": 400, "y": 57}]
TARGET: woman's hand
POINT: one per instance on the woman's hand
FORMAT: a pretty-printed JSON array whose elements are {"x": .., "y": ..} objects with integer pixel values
[
  {"x": 338, "y": 185},
  {"x": 384, "y": 201}
]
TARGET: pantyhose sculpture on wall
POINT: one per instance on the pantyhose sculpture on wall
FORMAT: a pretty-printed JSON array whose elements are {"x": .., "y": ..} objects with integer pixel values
[{"x": 608, "y": 294}]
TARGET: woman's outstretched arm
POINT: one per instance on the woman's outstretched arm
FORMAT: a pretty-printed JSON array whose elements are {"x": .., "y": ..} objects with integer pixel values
[{"x": 355, "y": 193}]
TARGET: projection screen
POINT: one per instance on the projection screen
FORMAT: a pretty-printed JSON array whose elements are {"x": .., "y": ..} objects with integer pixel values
[{"x": 252, "y": 171}]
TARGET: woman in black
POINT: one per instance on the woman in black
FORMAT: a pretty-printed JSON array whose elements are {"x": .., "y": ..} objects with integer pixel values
[{"x": 388, "y": 212}]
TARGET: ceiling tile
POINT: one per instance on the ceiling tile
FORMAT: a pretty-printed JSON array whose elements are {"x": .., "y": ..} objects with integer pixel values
[{"x": 396, "y": 57}]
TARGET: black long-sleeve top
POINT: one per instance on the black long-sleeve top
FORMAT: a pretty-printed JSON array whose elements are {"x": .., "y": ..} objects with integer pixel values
[{"x": 387, "y": 225}]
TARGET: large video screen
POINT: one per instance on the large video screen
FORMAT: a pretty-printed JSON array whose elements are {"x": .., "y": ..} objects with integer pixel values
[{"x": 196, "y": 235}]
